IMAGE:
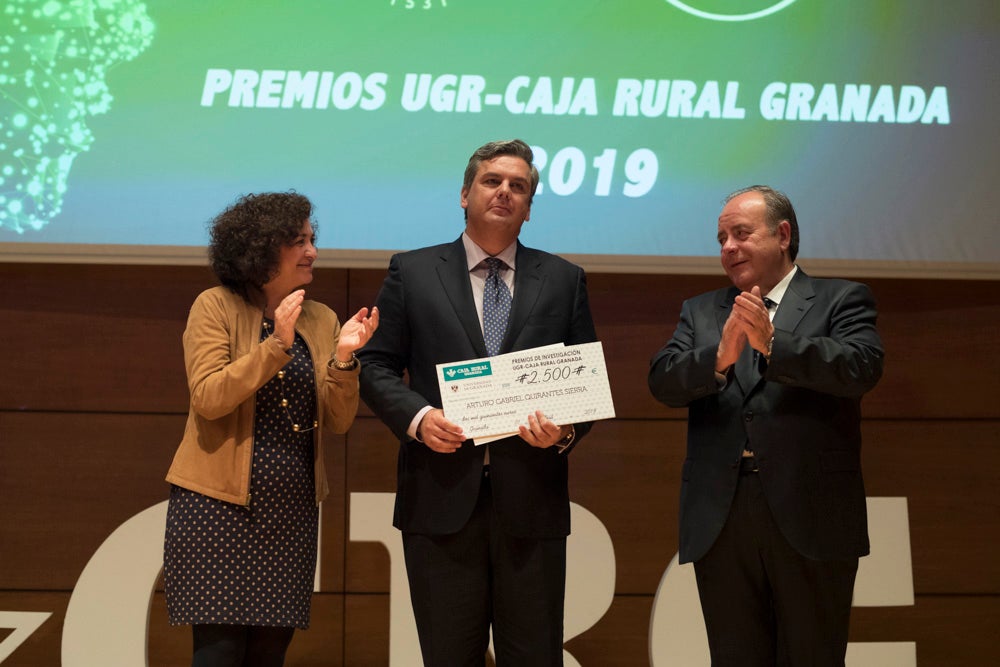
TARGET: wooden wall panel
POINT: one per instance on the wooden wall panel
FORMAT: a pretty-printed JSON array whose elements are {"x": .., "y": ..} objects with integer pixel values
[
  {"x": 366, "y": 629},
  {"x": 635, "y": 316},
  {"x": 950, "y": 630},
  {"x": 371, "y": 468},
  {"x": 620, "y": 638},
  {"x": 168, "y": 645},
  {"x": 67, "y": 480},
  {"x": 94, "y": 398},
  {"x": 42, "y": 648},
  {"x": 936, "y": 333},
  {"x": 352, "y": 630},
  {"x": 938, "y": 338},
  {"x": 322, "y": 645},
  {"x": 947, "y": 471},
  {"x": 619, "y": 473},
  {"x": 333, "y": 516},
  {"x": 627, "y": 473},
  {"x": 112, "y": 335},
  {"x": 107, "y": 338},
  {"x": 97, "y": 338},
  {"x": 364, "y": 287}
]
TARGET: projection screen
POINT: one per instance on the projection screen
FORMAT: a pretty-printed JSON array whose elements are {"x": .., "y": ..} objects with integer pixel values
[{"x": 126, "y": 125}]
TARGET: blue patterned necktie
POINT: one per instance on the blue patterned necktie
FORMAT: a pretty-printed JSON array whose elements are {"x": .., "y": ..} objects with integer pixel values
[{"x": 496, "y": 306}]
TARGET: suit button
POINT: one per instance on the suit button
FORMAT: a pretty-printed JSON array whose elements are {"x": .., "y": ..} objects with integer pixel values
[{"x": 748, "y": 416}]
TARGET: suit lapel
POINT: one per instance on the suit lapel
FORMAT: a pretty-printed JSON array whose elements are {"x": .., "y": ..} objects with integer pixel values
[
  {"x": 453, "y": 272},
  {"x": 528, "y": 282},
  {"x": 796, "y": 302}
]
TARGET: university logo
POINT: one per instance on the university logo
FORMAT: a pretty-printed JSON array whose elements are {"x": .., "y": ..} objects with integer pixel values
[{"x": 730, "y": 10}]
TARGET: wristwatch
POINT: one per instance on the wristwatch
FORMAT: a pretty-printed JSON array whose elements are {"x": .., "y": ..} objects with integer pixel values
[
  {"x": 345, "y": 365},
  {"x": 567, "y": 439}
]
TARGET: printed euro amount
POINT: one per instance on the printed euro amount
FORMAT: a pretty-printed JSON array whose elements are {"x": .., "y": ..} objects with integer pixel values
[{"x": 553, "y": 374}]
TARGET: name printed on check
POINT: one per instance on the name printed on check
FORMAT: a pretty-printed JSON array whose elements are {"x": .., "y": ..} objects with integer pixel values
[{"x": 493, "y": 396}]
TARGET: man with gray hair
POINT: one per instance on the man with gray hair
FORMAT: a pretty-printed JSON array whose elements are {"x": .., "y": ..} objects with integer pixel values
[{"x": 772, "y": 510}]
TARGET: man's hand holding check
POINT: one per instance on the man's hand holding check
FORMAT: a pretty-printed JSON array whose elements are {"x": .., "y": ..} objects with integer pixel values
[{"x": 530, "y": 393}]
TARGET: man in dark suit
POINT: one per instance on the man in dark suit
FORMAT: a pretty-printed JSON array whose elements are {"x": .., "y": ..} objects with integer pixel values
[
  {"x": 772, "y": 509},
  {"x": 484, "y": 527}
]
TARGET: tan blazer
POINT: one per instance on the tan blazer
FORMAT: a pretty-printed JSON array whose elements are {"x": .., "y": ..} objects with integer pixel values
[{"x": 226, "y": 365}]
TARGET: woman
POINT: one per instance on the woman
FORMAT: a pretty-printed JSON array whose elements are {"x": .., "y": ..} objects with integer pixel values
[{"x": 267, "y": 371}]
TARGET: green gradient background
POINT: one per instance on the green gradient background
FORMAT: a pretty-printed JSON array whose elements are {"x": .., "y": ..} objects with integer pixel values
[{"x": 162, "y": 165}]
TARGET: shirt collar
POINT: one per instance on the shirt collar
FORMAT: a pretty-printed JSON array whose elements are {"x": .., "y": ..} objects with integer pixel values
[
  {"x": 475, "y": 255},
  {"x": 778, "y": 292}
]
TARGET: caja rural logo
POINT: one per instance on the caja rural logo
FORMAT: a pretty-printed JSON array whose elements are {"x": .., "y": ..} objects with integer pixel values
[{"x": 730, "y": 10}]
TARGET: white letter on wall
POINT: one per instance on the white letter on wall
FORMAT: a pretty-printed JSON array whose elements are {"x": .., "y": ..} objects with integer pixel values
[
  {"x": 108, "y": 614},
  {"x": 371, "y": 521},
  {"x": 23, "y": 623}
]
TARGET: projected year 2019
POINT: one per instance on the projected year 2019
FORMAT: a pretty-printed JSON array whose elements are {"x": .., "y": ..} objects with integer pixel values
[{"x": 565, "y": 172}]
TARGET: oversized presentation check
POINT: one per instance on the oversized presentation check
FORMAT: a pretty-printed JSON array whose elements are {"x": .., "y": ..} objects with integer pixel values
[{"x": 493, "y": 396}]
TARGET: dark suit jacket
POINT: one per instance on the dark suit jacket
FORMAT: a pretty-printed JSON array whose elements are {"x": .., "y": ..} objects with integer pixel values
[
  {"x": 428, "y": 316},
  {"x": 801, "y": 419}
]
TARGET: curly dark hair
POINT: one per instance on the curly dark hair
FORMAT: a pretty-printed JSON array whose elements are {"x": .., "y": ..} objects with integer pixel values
[{"x": 246, "y": 238}]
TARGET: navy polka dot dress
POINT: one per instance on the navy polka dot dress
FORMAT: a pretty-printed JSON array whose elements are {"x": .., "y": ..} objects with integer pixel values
[{"x": 224, "y": 563}]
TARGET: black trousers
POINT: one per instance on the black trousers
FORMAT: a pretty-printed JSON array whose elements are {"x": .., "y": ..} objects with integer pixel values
[
  {"x": 462, "y": 584},
  {"x": 239, "y": 645},
  {"x": 764, "y": 603}
]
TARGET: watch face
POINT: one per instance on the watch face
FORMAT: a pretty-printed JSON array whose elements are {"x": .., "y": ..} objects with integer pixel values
[{"x": 345, "y": 365}]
